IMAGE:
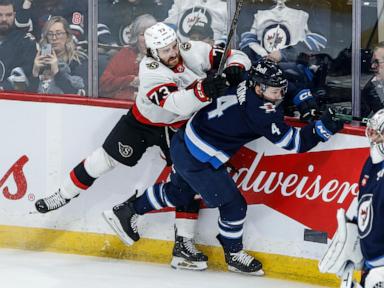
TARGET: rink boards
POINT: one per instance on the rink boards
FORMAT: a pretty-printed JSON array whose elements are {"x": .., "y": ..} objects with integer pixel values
[{"x": 292, "y": 198}]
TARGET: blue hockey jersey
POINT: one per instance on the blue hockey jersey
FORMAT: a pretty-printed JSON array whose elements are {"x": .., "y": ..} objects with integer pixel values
[
  {"x": 218, "y": 130},
  {"x": 371, "y": 212}
]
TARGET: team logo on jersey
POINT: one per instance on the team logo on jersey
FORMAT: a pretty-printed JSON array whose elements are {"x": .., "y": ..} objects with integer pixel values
[
  {"x": 276, "y": 37},
  {"x": 191, "y": 17},
  {"x": 153, "y": 65},
  {"x": 186, "y": 46},
  {"x": 380, "y": 174},
  {"x": 125, "y": 150},
  {"x": 268, "y": 107},
  {"x": 364, "y": 180},
  {"x": 365, "y": 215}
]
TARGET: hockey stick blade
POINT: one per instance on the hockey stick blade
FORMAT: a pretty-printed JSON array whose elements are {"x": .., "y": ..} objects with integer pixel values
[{"x": 232, "y": 29}]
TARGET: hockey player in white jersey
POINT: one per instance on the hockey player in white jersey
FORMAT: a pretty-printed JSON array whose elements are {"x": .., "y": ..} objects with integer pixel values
[
  {"x": 173, "y": 85},
  {"x": 184, "y": 14}
]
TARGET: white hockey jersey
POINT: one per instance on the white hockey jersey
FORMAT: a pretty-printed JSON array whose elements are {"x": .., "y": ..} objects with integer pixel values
[
  {"x": 185, "y": 13},
  {"x": 278, "y": 28},
  {"x": 166, "y": 96}
]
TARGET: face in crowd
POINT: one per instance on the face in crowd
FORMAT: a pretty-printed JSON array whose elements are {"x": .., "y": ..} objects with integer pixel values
[
  {"x": 170, "y": 54},
  {"x": 7, "y": 18},
  {"x": 57, "y": 36},
  {"x": 377, "y": 63}
]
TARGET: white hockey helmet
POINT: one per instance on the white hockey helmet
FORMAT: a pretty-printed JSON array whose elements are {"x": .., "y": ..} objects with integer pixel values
[
  {"x": 158, "y": 36},
  {"x": 375, "y": 135}
]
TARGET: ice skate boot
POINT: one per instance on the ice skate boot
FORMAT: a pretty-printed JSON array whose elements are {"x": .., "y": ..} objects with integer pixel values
[
  {"x": 50, "y": 203},
  {"x": 123, "y": 220},
  {"x": 242, "y": 262},
  {"x": 187, "y": 256}
]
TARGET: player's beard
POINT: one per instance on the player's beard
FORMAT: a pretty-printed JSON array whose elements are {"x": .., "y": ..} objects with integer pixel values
[
  {"x": 4, "y": 28},
  {"x": 173, "y": 61}
]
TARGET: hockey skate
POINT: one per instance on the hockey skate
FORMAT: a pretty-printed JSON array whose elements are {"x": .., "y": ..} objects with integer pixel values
[
  {"x": 123, "y": 220},
  {"x": 242, "y": 262},
  {"x": 186, "y": 255},
  {"x": 50, "y": 203}
]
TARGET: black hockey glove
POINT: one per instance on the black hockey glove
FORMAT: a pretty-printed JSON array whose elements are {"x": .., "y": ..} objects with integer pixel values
[
  {"x": 210, "y": 88},
  {"x": 306, "y": 104},
  {"x": 328, "y": 125},
  {"x": 234, "y": 74}
]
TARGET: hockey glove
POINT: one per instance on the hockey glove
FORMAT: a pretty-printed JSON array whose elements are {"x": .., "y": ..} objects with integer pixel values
[
  {"x": 210, "y": 88},
  {"x": 306, "y": 104},
  {"x": 234, "y": 74},
  {"x": 328, "y": 125}
]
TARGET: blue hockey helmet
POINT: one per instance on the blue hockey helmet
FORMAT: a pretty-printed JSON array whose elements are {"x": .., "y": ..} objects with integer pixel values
[{"x": 266, "y": 73}]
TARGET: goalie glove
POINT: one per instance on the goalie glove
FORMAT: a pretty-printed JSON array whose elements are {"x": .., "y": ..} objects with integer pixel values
[{"x": 343, "y": 249}]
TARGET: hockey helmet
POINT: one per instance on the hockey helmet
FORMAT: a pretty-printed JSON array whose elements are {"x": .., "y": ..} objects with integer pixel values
[
  {"x": 266, "y": 73},
  {"x": 158, "y": 36},
  {"x": 375, "y": 135}
]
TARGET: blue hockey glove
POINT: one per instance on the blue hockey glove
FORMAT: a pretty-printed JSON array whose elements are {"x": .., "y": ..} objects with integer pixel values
[
  {"x": 328, "y": 125},
  {"x": 306, "y": 104}
]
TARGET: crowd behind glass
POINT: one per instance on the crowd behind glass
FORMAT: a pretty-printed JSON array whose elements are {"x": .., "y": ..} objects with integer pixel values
[{"x": 44, "y": 44}]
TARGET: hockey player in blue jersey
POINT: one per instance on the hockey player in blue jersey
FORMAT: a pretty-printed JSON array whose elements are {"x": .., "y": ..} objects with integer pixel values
[
  {"x": 359, "y": 240},
  {"x": 199, "y": 152}
]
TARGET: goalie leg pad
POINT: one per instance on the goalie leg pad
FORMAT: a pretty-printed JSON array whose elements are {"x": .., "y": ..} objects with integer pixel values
[
  {"x": 344, "y": 247},
  {"x": 375, "y": 278}
]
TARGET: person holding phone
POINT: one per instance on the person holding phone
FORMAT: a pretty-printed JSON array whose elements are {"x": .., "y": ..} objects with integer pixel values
[{"x": 59, "y": 68}]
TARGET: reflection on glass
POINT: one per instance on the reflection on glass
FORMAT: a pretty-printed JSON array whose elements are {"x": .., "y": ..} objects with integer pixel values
[{"x": 310, "y": 40}]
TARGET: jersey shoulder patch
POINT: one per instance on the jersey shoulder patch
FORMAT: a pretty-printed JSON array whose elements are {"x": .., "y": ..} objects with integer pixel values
[
  {"x": 152, "y": 65},
  {"x": 186, "y": 46}
]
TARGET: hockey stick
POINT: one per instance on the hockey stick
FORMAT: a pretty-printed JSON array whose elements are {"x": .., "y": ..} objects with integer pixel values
[
  {"x": 232, "y": 29},
  {"x": 350, "y": 118}
]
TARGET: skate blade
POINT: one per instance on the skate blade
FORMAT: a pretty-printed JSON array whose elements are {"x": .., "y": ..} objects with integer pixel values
[
  {"x": 114, "y": 223},
  {"x": 181, "y": 263},
  {"x": 259, "y": 272}
]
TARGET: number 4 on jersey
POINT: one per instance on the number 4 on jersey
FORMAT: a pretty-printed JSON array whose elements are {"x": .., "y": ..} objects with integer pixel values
[
  {"x": 275, "y": 129},
  {"x": 223, "y": 103}
]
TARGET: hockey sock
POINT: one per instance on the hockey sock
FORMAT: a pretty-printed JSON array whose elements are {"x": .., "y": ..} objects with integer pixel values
[
  {"x": 186, "y": 219},
  {"x": 154, "y": 198},
  {"x": 231, "y": 234}
]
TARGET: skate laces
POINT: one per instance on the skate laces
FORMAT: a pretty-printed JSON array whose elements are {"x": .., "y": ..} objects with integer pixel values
[
  {"x": 242, "y": 257},
  {"x": 134, "y": 219},
  {"x": 190, "y": 246},
  {"x": 55, "y": 201}
]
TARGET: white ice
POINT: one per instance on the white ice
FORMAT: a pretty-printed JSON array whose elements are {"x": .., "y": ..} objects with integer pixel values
[{"x": 30, "y": 269}]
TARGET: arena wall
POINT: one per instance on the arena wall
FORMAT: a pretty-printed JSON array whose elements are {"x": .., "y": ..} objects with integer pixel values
[{"x": 293, "y": 198}]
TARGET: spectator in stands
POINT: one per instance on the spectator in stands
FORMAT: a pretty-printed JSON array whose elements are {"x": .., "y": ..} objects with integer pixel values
[
  {"x": 33, "y": 14},
  {"x": 120, "y": 79},
  {"x": 17, "y": 50},
  {"x": 118, "y": 15},
  {"x": 372, "y": 96},
  {"x": 59, "y": 68},
  {"x": 186, "y": 13}
]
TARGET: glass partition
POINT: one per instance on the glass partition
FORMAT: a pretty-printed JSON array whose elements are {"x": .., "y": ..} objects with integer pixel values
[
  {"x": 44, "y": 47},
  {"x": 121, "y": 28},
  {"x": 372, "y": 57},
  {"x": 311, "y": 41}
]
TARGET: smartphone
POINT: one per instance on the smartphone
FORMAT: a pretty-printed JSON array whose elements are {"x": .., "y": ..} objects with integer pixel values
[{"x": 46, "y": 49}]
